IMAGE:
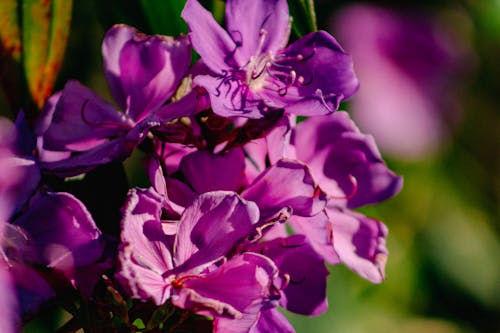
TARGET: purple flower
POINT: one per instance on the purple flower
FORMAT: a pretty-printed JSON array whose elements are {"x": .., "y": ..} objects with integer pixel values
[
  {"x": 408, "y": 64},
  {"x": 143, "y": 73},
  {"x": 253, "y": 70},
  {"x": 286, "y": 185},
  {"x": 181, "y": 261}
]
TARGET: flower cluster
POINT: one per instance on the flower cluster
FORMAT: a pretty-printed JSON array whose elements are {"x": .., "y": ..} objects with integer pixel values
[{"x": 247, "y": 203}]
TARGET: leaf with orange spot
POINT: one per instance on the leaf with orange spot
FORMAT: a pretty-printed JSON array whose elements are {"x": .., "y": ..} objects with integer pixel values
[
  {"x": 10, "y": 51},
  {"x": 45, "y": 30}
]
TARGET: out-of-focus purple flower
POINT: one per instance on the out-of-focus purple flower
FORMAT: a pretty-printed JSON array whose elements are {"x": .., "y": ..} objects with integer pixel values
[
  {"x": 407, "y": 64},
  {"x": 253, "y": 69},
  {"x": 345, "y": 162},
  {"x": 182, "y": 261},
  {"x": 143, "y": 72},
  {"x": 63, "y": 233},
  {"x": 20, "y": 174}
]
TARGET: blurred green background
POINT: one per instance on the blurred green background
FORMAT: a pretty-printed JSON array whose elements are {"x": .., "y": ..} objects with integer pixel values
[{"x": 443, "y": 272}]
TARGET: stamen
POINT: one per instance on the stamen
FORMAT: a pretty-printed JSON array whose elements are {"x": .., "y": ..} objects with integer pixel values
[
  {"x": 319, "y": 93},
  {"x": 287, "y": 279},
  {"x": 354, "y": 183}
]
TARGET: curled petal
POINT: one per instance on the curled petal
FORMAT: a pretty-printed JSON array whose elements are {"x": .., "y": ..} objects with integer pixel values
[
  {"x": 145, "y": 248},
  {"x": 345, "y": 162},
  {"x": 360, "y": 243}
]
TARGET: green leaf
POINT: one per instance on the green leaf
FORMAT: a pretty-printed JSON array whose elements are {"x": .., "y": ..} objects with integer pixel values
[
  {"x": 164, "y": 16},
  {"x": 304, "y": 16},
  {"x": 45, "y": 30}
]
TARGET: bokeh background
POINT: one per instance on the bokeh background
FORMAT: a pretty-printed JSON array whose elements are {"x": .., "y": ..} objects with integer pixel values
[{"x": 430, "y": 70}]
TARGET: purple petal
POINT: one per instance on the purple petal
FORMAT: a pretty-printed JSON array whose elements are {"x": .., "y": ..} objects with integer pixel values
[
  {"x": 306, "y": 291},
  {"x": 319, "y": 233},
  {"x": 151, "y": 69},
  {"x": 187, "y": 106},
  {"x": 207, "y": 172},
  {"x": 112, "y": 45},
  {"x": 42, "y": 124},
  {"x": 63, "y": 232},
  {"x": 117, "y": 149},
  {"x": 287, "y": 183},
  {"x": 83, "y": 120},
  {"x": 213, "y": 43},
  {"x": 145, "y": 248},
  {"x": 272, "y": 321},
  {"x": 258, "y": 26},
  {"x": 212, "y": 226},
  {"x": 360, "y": 243},
  {"x": 255, "y": 161},
  {"x": 238, "y": 288}
]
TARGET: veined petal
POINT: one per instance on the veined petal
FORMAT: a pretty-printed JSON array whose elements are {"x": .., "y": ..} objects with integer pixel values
[
  {"x": 212, "y": 226},
  {"x": 83, "y": 120},
  {"x": 258, "y": 26},
  {"x": 360, "y": 243},
  {"x": 209, "y": 39}
]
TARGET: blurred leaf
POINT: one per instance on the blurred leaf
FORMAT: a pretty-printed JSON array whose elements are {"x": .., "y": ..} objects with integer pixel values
[
  {"x": 304, "y": 16},
  {"x": 45, "y": 30},
  {"x": 164, "y": 16},
  {"x": 10, "y": 52}
]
